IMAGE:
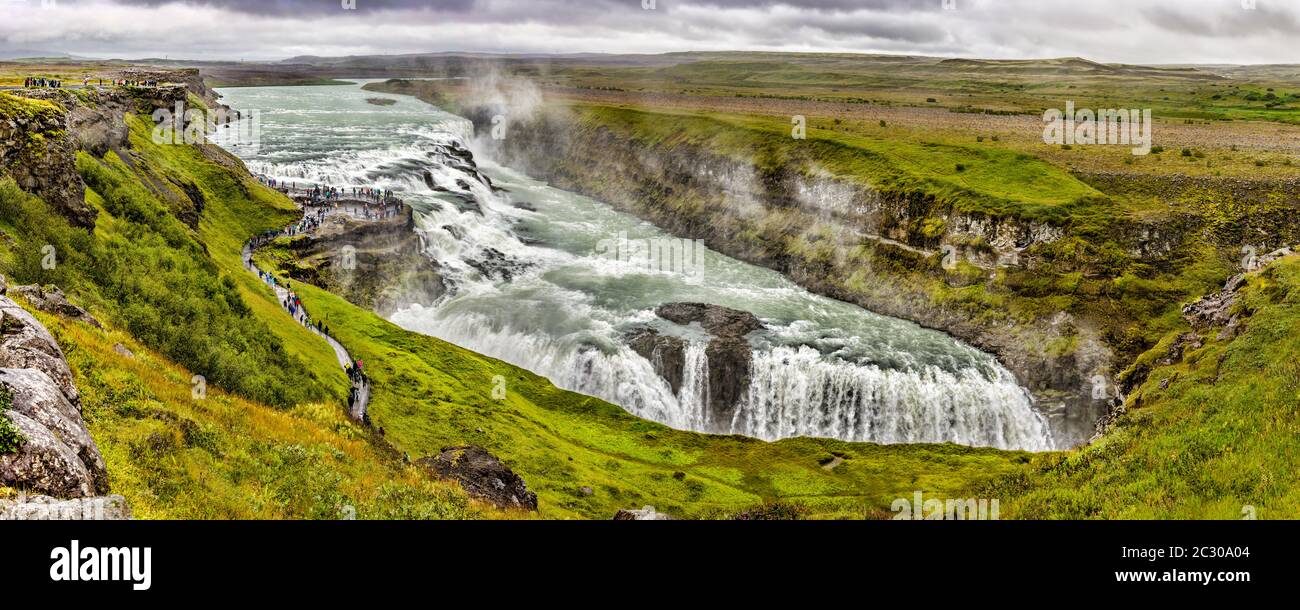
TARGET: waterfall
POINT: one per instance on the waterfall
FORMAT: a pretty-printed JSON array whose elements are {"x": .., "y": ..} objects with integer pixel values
[
  {"x": 527, "y": 285},
  {"x": 693, "y": 397},
  {"x": 798, "y": 392}
]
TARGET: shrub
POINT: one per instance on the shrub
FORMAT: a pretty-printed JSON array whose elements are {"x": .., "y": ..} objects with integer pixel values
[
  {"x": 9, "y": 438},
  {"x": 774, "y": 511}
]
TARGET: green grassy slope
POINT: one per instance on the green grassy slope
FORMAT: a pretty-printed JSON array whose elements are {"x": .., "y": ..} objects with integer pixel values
[
  {"x": 224, "y": 457},
  {"x": 1216, "y": 435}
]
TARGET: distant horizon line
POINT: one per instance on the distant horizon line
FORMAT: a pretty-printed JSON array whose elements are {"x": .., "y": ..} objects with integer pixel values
[{"x": 581, "y": 54}]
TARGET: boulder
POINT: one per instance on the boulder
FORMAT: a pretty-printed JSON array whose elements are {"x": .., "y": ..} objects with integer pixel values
[
  {"x": 482, "y": 475},
  {"x": 56, "y": 455},
  {"x": 666, "y": 354},
  {"x": 719, "y": 321},
  {"x": 51, "y": 299},
  {"x": 26, "y": 344}
]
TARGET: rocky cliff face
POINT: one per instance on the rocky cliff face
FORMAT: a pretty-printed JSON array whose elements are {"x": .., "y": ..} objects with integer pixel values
[
  {"x": 378, "y": 265},
  {"x": 38, "y": 152},
  {"x": 41, "y": 131},
  {"x": 55, "y": 454}
]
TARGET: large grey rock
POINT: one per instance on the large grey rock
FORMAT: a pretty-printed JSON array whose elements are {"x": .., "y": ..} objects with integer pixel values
[
  {"x": 42, "y": 463},
  {"x": 718, "y": 320},
  {"x": 45, "y": 508},
  {"x": 51, "y": 299},
  {"x": 58, "y": 455},
  {"x": 666, "y": 354},
  {"x": 26, "y": 344}
]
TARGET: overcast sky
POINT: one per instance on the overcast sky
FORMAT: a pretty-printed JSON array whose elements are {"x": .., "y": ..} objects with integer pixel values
[{"x": 1130, "y": 31}]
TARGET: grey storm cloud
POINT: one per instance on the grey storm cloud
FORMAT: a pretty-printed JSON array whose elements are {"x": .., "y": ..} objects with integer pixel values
[{"x": 1145, "y": 31}]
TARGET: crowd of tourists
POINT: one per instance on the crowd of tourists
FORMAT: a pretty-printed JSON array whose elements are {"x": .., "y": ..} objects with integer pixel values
[
  {"x": 325, "y": 194},
  {"x": 359, "y": 380},
  {"x": 39, "y": 82}
]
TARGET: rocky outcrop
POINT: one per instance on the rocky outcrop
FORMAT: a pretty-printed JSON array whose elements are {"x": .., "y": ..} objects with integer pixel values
[
  {"x": 376, "y": 264},
  {"x": 51, "y": 299},
  {"x": 719, "y": 321},
  {"x": 38, "y": 152},
  {"x": 482, "y": 476},
  {"x": 45, "y": 508},
  {"x": 41, "y": 131},
  {"x": 55, "y": 455},
  {"x": 728, "y": 352},
  {"x": 1219, "y": 309},
  {"x": 667, "y": 354},
  {"x": 26, "y": 344}
]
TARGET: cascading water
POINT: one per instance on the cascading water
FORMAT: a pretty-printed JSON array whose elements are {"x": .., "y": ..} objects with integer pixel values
[{"x": 529, "y": 284}]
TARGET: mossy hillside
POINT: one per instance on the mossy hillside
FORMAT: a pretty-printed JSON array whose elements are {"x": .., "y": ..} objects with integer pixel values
[
  {"x": 1215, "y": 435},
  {"x": 238, "y": 207},
  {"x": 145, "y": 270},
  {"x": 429, "y": 394},
  {"x": 175, "y": 456},
  {"x": 33, "y": 127},
  {"x": 160, "y": 286},
  {"x": 990, "y": 181}
]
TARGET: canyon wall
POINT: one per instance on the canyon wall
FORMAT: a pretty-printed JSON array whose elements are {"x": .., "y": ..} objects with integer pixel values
[{"x": 860, "y": 239}]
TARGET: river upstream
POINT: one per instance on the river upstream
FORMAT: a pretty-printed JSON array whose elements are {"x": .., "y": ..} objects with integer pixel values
[{"x": 553, "y": 282}]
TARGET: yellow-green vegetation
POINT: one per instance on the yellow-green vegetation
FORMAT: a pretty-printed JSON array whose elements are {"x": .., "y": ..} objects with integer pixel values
[
  {"x": 429, "y": 394},
  {"x": 219, "y": 456},
  {"x": 1216, "y": 435}
]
